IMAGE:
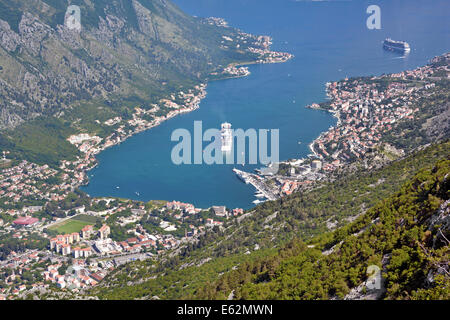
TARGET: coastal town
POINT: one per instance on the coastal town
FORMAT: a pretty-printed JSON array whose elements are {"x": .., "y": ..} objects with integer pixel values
[
  {"x": 78, "y": 250},
  {"x": 55, "y": 238},
  {"x": 367, "y": 110}
]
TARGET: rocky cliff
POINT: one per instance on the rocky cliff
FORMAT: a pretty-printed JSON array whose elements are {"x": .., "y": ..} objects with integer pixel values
[{"x": 126, "y": 49}]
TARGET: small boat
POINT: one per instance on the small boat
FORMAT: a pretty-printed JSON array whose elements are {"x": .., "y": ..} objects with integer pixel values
[
  {"x": 259, "y": 195},
  {"x": 137, "y": 193},
  {"x": 299, "y": 142},
  {"x": 256, "y": 201},
  {"x": 117, "y": 187}
]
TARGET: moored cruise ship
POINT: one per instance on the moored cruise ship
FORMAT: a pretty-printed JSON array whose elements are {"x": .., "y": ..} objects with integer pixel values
[
  {"x": 392, "y": 45},
  {"x": 226, "y": 137}
]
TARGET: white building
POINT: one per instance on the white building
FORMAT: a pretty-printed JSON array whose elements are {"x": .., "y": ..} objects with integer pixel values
[{"x": 316, "y": 165}]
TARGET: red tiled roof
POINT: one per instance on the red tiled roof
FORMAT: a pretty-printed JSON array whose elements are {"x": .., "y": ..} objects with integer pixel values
[{"x": 25, "y": 221}]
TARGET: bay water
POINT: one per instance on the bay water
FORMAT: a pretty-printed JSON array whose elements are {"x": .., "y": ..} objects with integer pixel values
[{"x": 330, "y": 41}]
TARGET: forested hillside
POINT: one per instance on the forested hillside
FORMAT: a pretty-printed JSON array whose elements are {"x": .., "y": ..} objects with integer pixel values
[
  {"x": 256, "y": 239},
  {"x": 405, "y": 235}
]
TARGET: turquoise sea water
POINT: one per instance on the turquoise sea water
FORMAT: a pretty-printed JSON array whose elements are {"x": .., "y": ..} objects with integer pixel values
[{"x": 330, "y": 41}]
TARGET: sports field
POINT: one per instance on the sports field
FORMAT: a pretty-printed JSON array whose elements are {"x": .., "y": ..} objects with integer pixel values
[{"x": 74, "y": 224}]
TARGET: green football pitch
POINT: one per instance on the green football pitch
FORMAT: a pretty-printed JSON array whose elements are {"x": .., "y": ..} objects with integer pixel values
[{"x": 74, "y": 224}]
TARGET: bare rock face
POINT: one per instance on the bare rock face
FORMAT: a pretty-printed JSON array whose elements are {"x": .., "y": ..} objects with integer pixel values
[
  {"x": 438, "y": 127},
  {"x": 9, "y": 40},
  {"x": 440, "y": 222},
  {"x": 32, "y": 33},
  {"x": 371, "y": 289},
  {"x": 46, "y": 67},
  {"x": 144, "y": 20}
]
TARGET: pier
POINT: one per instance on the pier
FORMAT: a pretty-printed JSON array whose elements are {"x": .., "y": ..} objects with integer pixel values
[{"x": 257, "y": 182}]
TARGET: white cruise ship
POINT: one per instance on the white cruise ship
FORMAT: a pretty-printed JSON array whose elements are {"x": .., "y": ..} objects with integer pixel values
[{"x": 226, "y": 137}]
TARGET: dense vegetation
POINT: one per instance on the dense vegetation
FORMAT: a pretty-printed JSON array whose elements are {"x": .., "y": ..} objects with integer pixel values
[
  {"x": 9, "y": 243},
  {"x": 41, "y": 141},
  {"x": 404, "y": 235},
  {"x": 299, "y": 216}
]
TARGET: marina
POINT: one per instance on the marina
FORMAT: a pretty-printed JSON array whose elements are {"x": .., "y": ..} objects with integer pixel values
[{"x": 256, "y": 182}]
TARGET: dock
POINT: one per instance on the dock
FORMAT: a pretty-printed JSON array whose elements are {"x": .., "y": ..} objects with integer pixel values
[{"x": 255, "y": 181}]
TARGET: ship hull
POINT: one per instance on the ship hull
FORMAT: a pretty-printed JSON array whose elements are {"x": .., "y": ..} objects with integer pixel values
[
  {"x": 397, "y": 46},
  {"x": 395, "y": 49}
]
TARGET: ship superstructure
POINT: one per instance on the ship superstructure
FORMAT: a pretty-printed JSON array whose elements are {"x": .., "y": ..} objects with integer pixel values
[
  {"x": 226, "y": 135},
  {"x": 399, "y": 46}
]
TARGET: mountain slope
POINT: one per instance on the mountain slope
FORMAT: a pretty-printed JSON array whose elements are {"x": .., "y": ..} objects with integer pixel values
[
  {"x": 127, "y": 51},
  {"x": 255, "y": 241},
  {"x": 405, "y": 236}
]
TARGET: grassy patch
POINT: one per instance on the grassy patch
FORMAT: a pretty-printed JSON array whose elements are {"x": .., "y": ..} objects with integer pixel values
[{"x": 74, "y": 224}]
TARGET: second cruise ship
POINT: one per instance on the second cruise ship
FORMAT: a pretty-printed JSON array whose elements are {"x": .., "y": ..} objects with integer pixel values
[{"x": 399, "y": 46}]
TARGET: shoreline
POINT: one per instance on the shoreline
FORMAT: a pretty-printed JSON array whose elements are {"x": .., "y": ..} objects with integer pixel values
[
  {"x": 317, "y": 142},
  {"x": 184, "y": 109},
  {"x": 364, "y": 114},
  {"x": 336, "y": 114}
]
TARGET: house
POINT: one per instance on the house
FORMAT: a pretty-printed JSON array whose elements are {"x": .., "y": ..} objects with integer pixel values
[
  {"x": 138, "y": 212},
  {"x": 75, "y": 237},
  {"x": 53, "y": 242},
  {"x": 46, "y": 276},
  {"x": 185, "y": 207},
  {"x": 86, "y": 252},
  {"x": 76, "y": 252},
  {"x": 68, "y": 238},
  {"x": 87, "y": 231},
  {"x": 132, "y": 240},
  {"x": 104, "y": 231},
  {"x": 53, "y": 273},
  {"x": 81, "y": 252},
  {"x": 96, "y": 276},
  {"x": 124, "y": 245},
  {"x": 65, "y": 249},
  {"x": 237, "y": 211},
  {"x": 220, "y": 211},
  {"x": 80, "y": 209},
  {"x": 32, "y": 209}
]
